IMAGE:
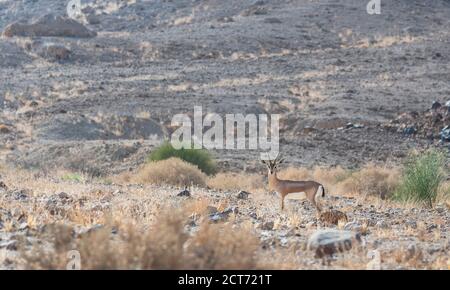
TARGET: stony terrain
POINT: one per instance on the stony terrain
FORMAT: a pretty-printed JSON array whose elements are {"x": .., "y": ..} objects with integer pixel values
[
  {"x": 96, "y": 95},
  {"x": 403, "y": 237}
]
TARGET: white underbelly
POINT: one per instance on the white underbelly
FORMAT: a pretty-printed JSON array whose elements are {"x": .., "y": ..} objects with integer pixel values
[{"x": 296, "y": 195}]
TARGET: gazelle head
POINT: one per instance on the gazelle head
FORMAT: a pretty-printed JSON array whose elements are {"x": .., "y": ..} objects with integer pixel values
[{"x": 273, "y": 164}]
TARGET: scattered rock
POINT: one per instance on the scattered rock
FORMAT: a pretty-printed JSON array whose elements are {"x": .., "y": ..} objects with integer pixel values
[
  {"x": 49, "y": 25},
  {"x": 64, "y": 196},
  {"x": 353, "y": 126},
  {"x": 9, "y": 245},
  {"x": 192, "y": 220},
  {"x": 100, "y": 207},
  {"x": 84, "y": 13},
  {"x": 411, "y": 224},
  {"x": 87, "y": 231},
  {"x": 272, "y": 20},
  {"x": 18, "y": 194},
  {"x": 57, "y": 203},
  {"x": 328, "y": 242},
  {"x": 353, "y": 226},
  {"x": 118, "y": 192},
  {"x": 4, "y": 129},
  {"x": 381, "y": 224},
  {"x": 253, "y": 215},
  {"x": 428, "y": 123},
  {"x": 23, "y": 227},
  {"x": 3, "y": 186},
  {"x": 82, "y": 201},
  {"x": 243, "y": 195},
  {"x": 218, "y": 217},
  {"x": 256, "y": 8},
  {"x": 311, "y": 225},
  {"x": 32, "y": 104},
  {"x": 411, "y": 251},
  {"x": 90, "y": 16},
  {"x": 5, "y": 214},
  {"x": 409, "y": 131},
  {"x": 431, "y": 227},
  {"x": 222, "y": 216},
  {"x": 445, "y": 134},
  {"x": 211, "y": 209},
  {"x": 436, "y": 105},
  {"x": 225, "y": 19},
  {"x": 185, "y": 193},
  {"x": 267, "y": 226},
  {"x": 436, "y": 248},
  {"x": 440, "y": 209}
]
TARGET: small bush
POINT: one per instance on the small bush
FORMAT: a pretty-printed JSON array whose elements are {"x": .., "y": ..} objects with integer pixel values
[
  {"x": 172, "y": 171},
  {"x": 422, "y": 176},
  {"x": 74, "y": 177},
  {"x": 221, "y": 247},
  {"x": 199, "y": 157},
  {"x": 233, "y": 181}
]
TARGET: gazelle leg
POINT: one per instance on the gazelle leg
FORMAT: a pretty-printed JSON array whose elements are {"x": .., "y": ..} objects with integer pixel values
[
  {"x": 316, "y": 205},
  {"x": 282, "y": 202}
]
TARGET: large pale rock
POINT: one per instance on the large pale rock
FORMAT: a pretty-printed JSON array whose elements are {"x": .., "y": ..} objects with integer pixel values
[
  {"x": 49, "y": 25},
  {"x": 329, "y": 241}
]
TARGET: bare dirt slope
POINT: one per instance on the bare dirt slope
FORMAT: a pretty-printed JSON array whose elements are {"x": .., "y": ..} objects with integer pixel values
[{"x": 321, "y": 64}]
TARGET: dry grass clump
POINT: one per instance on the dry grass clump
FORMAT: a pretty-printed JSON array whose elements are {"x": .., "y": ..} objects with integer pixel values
[
  {"x": 295, "y": 173},
  {"x": 172, "y": 171},
  {"x": 371, "y": 180},
  {"x": 166, "y": 245},
  {"x": 42, "y": 256},
  {"x": 444, "y": 194},
  {"x": 235, "y": 181},
  {"x": 223, "y": 247},
  {"x": 163, "y": 245},
  {"x": 326, "y": 176}
]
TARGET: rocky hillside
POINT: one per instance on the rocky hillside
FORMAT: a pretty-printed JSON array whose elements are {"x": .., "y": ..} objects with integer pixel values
[{"x": 95, "y": 95}]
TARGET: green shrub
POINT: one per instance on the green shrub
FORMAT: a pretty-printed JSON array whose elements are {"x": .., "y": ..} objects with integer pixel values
[
  {"x": 199, "y": 157},
  {"x": 422, "y": 176},
  {"x": 73, "y": 177}
]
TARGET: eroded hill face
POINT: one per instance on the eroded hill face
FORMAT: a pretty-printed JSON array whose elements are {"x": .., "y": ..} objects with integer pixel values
[{"x": 78, "y": 102}]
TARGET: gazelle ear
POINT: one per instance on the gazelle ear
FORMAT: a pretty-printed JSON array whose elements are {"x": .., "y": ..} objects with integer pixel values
[
  {"x": 281, "y": 161},
  {"x": 263, "y": 161}
]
